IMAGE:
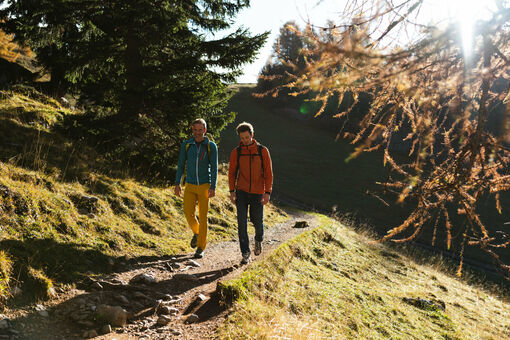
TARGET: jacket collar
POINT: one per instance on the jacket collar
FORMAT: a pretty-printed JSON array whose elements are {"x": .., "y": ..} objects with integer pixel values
[
  {"x": 192, "y": 140},
  {"x": 253, "y": 143}
]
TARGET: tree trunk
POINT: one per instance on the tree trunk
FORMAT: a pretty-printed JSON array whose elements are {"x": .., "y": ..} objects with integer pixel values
[{"x": 132, "y": 98}]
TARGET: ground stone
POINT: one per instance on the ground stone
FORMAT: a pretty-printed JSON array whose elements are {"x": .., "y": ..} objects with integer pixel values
[
  {"x": 165, "y": 310},
  {"x": 192, "y": 318},
  {"x": 163, "y": 320},
  {"x": 106, "y": 329},
  {"x": 114, "y": 315},
  {"x": 143, "y": 278},
  {"x": 41, "y": 310},
  {"x": 192, "y": 263}
]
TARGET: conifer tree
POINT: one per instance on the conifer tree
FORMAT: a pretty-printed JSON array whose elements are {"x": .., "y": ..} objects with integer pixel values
[
  {"x": 145, "y": 67},
  {"x": 285, "y": 59}
]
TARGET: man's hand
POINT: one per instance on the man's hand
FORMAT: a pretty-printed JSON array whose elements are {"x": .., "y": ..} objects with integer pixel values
[
  {"x": 212, "y": 193},
  {"x": 178, "y": 190},
  {"x": 233, "y": 197},
  {"x": 265, "y": 198}
]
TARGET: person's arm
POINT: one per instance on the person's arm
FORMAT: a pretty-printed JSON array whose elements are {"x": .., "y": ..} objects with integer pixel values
[
  {"x": 213, "y": 161},
  {"x": 232, "y": 167},
  {"x": 180, "y": 169},
  {"x": 268, "y": 175}
]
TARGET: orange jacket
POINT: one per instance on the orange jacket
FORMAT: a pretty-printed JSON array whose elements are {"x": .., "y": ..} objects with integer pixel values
[{"x": 250, "y": 178}]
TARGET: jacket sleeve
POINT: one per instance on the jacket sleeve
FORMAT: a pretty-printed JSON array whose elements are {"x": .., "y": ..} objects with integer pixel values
[
  {"x": 232, "y": 166},
  {"x": 268, "y": 171},
  {"x": 180, "y": 164},
  {"x": 213, "y": 160}
]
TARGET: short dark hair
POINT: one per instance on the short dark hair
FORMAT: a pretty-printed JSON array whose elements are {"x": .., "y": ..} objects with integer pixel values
[
  {"x": 244, "y": 127},
  {"x": 200, "y": 121}
]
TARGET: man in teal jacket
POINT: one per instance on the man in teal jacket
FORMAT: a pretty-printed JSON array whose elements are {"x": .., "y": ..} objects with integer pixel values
[{"x": 199, "y": 156}]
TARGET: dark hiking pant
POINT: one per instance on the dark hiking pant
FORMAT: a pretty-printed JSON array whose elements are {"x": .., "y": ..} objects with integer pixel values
[{"x": 243, "y": 200}]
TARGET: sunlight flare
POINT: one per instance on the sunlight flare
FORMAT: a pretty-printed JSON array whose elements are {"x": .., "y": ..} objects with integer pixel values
[{"x": 465, "y": 13}]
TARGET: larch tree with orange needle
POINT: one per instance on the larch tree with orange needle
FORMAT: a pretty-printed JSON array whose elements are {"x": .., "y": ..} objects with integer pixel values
[{"x": 434, "y": 95}]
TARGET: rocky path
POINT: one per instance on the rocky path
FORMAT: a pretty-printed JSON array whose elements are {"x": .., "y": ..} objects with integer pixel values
[{"x": 151, "y": 298}]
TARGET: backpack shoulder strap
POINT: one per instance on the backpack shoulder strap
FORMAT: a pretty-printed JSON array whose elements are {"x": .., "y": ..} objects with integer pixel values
[
  {"x": 260, "y": 147},
  {"x": 185, "y": 163},
  {"x": 238, "y": 158}
]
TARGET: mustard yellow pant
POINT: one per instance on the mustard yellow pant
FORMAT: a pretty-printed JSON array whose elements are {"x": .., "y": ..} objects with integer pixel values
[{"x": 192, "y": 194}]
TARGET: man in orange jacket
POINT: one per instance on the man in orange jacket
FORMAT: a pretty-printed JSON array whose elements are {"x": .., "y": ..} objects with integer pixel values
[{"x": 250, "y": 178}]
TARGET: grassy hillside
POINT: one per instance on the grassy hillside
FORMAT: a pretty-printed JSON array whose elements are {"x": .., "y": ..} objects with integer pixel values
[
  {"x": 310, "y": 167},
  {"x": 61, "y": 218},
  {"x": 334, "y": 283}
]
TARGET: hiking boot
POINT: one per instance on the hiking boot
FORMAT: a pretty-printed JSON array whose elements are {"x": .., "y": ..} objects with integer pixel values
[
  {"x": 193, "y": 242},
  {"x": 246, "y": 258},
  {"x": 258, "y": 248},
  {"x": 199, "y": 253}
]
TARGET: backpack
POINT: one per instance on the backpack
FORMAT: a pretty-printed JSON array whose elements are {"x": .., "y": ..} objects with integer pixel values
[{"x": 259, "y": 148}]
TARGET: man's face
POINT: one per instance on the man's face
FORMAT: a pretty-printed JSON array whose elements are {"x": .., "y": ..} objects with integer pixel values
[
  {"x": 246, "y": 137},
  {"x": 198, "y": 131}
]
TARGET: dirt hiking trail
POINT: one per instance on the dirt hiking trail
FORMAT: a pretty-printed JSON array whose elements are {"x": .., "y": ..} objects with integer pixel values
[{"x": 171, "y": 297}]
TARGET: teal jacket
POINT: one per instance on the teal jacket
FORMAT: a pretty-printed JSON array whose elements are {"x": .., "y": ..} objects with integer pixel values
[{"x": 200, "y": 167}]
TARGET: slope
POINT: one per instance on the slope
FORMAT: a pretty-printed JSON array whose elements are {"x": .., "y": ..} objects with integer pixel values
[
  {"x": 334, "y": 283},
  {"x": 64, "y": 216},
  {"x": 311, "y": 170}
]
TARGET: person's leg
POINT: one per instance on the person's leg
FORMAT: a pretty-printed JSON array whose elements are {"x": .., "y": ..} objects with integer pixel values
[
  {"x": 242, "y": 223},
  {"x": 189, "y": 203},
  {"x": 203, "y": 208},
  {"x": 257, "y": 216}
]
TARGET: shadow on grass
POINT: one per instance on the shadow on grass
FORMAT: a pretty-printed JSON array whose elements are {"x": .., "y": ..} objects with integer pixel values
[
  {"x": 38, "y": 263},
  {"x": 71, "y": 149},
  {"x": 41, "y": 150}
]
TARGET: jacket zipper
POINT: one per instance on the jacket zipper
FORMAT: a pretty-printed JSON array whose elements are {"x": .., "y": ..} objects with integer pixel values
[{"x": 198, "y": 153}]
